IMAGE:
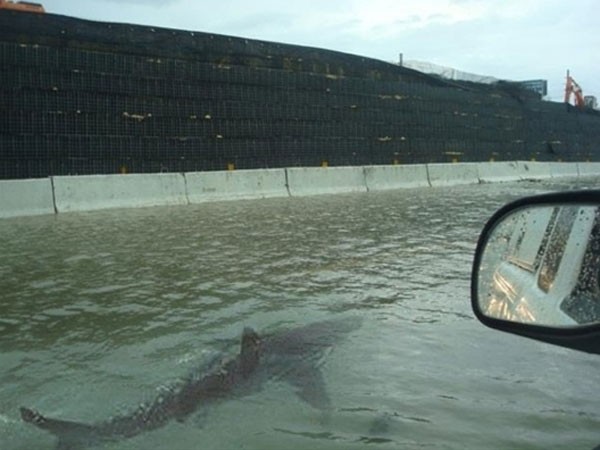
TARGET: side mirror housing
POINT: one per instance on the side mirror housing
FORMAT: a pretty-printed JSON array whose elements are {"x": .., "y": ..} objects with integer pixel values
[{"x": 536, "y": 271}]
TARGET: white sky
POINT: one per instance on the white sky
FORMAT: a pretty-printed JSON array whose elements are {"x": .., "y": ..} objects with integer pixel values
[{"x": 510, "y": 39}]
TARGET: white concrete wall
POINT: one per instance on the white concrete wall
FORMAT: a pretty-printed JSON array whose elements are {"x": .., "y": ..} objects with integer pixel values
[
  {"x": 379, "y": 178},
  {"x": 452, "y": 174},
  {"x": 499, "y": 172},
  {"x": 235, "y": 185},
  {"x": 26, "y": 197},
  {"x": 564, "y": 169},
  {"x": 533, "y": 170},
  {"x": 325, "y": 180},
  {"x": 85, "y": 193},
  {"x": 589, "y": 169}
]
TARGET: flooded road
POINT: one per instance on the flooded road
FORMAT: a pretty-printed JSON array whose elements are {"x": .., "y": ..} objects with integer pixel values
[{"x": 101, "y": 311}]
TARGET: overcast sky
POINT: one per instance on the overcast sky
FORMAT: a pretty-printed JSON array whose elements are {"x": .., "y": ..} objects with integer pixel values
[{"x": 509, "y": 39}]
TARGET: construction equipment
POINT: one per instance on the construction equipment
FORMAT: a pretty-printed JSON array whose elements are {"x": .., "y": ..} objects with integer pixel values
[
  {"x": 22, "y": 6},
  {"x": 573, "y": 88}
]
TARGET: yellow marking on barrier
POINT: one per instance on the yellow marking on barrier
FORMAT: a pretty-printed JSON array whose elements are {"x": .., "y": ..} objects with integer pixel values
[
  {"x": 324, "y": 163},
  {"x": 230, "y": 166}
]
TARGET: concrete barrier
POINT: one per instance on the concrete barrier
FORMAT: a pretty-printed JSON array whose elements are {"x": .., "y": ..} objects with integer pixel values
[
  {"x": 589, "y": 169},
  {"x": 325, "y": 180},
  {"x": 498, "y": 172},
  {"x": 563, "y": 169},
  {"x": 379, "y": 178},
  {"x": 26, "y": 197},
  {"x": 533, "y": 170},
  {"x": 85, "y": 193},
  {"x": 235, "y": 184},
  {"x": 452, "y": 174}
]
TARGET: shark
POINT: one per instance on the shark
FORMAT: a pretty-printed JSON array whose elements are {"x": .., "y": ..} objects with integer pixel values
[{"x": 293, "y": 356}]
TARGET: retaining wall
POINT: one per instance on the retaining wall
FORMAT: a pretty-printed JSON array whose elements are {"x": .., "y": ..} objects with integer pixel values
[
  {"x": 85, "y": 193},
  {"x": 190, "y": 101}
]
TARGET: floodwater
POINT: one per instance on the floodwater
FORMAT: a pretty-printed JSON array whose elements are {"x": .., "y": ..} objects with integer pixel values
[{"x": 100, "y": 311}]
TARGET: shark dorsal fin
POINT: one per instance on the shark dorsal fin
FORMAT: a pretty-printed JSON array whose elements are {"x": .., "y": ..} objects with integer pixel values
[{"x": 249, "y": 351}]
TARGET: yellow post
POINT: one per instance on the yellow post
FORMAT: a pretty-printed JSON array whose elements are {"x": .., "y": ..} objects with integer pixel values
[
  {"x": 123, "y": 170},
  {"x": 230, "y": 166},
  {"x": 324, "y": 163}
]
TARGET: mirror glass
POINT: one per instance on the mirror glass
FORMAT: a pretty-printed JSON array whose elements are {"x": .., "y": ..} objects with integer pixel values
[{"x": 541, "y": 266}]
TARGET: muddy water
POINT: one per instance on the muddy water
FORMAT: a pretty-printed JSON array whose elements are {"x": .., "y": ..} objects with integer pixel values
[{"x": 100, "y": 311}]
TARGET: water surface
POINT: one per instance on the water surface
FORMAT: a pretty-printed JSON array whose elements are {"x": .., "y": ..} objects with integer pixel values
[{"x": 102, "y": 310}]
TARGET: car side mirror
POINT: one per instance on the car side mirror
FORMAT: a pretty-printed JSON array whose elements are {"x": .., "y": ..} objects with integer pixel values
[{"x": 536, "y": 271}]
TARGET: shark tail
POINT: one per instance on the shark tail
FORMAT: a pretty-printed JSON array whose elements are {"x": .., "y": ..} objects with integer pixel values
[
  {"x": 31, "y": 416},
  {"x": 69, "y": 434}
]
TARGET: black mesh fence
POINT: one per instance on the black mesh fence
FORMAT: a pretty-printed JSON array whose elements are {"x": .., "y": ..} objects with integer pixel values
[{"x": 71, "y": 109}]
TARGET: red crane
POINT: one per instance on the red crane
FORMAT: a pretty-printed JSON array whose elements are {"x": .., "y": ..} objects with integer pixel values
[
  {"x": 22, "y": 6},
  {"x": 573, "y": 88}
]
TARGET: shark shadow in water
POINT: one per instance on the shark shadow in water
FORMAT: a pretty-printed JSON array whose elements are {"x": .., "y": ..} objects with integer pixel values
[{"x": 293, "y": 356}]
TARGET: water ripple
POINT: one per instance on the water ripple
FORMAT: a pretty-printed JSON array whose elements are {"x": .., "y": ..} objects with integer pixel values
[{"x": 99, "y": 308}]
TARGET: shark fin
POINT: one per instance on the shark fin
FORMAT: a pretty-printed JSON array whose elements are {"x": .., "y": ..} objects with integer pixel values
[
  {"x": 310, "y": 387},
  {"x": 249, "y": 351}
]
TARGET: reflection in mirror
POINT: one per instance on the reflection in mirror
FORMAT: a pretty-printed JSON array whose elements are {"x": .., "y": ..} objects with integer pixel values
[{"x": 541, "y": 265}]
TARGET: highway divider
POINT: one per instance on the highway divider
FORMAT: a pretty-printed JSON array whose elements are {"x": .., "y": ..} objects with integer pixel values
[
  {"x": 499, "y": 172},
  {"x": 235, "y": 185},
  {"x": 588, "y": 169},
  {"x": 380, "y": 178},
  {"x": 325, "y": 180},
  {"x": 564, "y": 169},
  {"x": 452, "y": 174},
  {"x": 26, "y": 197},
  {"x": 533, "y": 170},
  {"x": 84, "y": 193},
  {"x": 90, "y": 192}
]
